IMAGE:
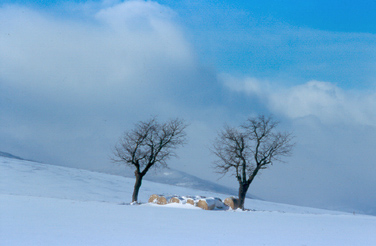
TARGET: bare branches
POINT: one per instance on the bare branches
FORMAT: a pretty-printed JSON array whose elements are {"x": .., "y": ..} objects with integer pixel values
[
  {"x": 150, "y": 143},
  {"x": 253, "y": 146}
]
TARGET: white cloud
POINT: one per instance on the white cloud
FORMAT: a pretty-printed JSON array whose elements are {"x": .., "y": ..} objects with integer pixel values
[
  {"x": 323, "y": 100},
  {"x": 248, "y": 85},
  {"x": 79, "y": 81},
  {"x": 132, "y": 44}
]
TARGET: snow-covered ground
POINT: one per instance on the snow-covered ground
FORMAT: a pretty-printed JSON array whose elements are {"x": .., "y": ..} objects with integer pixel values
[{"x": 48, "y": 205}]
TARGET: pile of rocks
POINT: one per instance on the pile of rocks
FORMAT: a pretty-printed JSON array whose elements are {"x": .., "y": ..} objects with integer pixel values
[{"x": 206, "y": 203}]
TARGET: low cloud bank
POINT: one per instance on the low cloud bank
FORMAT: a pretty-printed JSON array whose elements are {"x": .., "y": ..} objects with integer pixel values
[{"x": 324, "y": 100}]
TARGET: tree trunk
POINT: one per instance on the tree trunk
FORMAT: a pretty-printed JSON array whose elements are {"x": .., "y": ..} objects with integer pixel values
[
  {"x": 244, "y": 185},
  {"x": 243, "y": 188},
  {"x": 137, "y": 186}
]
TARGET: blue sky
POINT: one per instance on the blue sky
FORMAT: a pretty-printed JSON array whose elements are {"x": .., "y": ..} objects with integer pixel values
[
  {"x": 74, "y": 75},
  {"x": 291, "y": 41},
  {"x": 338, "y": 16}
]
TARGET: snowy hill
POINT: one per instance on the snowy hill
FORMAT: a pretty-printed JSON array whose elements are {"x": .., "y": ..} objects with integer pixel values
[
  {"x": 42, "y": 204},
  {"x": 166, "y": 176}
]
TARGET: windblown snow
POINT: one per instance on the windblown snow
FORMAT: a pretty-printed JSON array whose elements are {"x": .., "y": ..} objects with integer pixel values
[{"x": 49, "y": 205}]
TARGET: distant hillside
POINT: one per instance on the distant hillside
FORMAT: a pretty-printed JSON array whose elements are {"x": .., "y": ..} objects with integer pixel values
[
  {"x": 4, "y": 154},
  {"x": 182, "y": 179}
]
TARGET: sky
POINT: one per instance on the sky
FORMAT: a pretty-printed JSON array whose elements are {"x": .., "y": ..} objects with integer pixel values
[{"x": 74, "y": 75}]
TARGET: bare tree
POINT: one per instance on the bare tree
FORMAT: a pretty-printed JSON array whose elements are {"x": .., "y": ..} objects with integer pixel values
[
  {"x": 245, "y": 150},
  {"x": 149, "y": 144}
]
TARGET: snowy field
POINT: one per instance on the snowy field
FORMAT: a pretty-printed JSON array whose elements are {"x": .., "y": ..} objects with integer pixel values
[{"x": 49, "y": 205}]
